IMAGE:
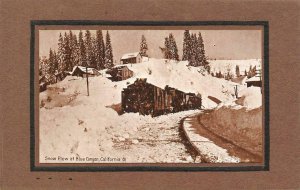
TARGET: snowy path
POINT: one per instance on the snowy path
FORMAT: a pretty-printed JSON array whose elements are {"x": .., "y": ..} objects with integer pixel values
[{"x": 208, "y": 150}]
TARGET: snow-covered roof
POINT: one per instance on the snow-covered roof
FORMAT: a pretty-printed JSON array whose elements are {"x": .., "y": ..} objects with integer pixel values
[
  {"x": 83, "y": 69},
  {"x": 252, "y": 79},
  {"x": 130, "y": 55}
]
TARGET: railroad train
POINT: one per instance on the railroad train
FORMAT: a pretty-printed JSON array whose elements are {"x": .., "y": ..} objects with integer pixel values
[{"x": 148, "y": 99}]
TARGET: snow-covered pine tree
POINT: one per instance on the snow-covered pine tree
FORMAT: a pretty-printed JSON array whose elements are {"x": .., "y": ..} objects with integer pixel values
[
  {"x": 143, "y": 47},
  {"x": 88, "y": 41},
  {"x": 67, "y": 54},
  {"x": 51, "y": 61},
  {"x": 237, "y": 71},
  {"x": 56, "y": 61},
  {"x": 60, "y": 52},
  {"x": 173, "y": 48},
  {"x": 186, "y": 45},
  {"x": 100, "y": 50},
  {"x": 202, "y": 57},
  {"x": 74, "y": 49},
  {"x": 82, "y": 51},
  {"x": 249, "y": 75},
  {"x": 254, "y": 71},
  {"x": 193, "y": 43},
  {"x": 166, "y": 49},
  {"x": 44, "y": 67},
  {"x": 108, "y": 52}
]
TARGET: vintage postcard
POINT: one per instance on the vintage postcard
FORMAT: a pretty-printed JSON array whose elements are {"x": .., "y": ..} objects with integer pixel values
[{"x": 187, "y": 95}]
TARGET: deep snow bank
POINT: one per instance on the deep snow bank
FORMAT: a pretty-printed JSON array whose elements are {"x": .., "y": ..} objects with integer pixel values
[
  {"x": 162, "y": 72},
  {"x": 241, "y": 126}
]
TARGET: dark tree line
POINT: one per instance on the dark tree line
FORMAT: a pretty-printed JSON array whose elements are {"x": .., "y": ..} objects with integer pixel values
[
  {"x": 193, "y": 50},
  {"x": 228, "y": 76},
  {"x": 84, "y": 50}
]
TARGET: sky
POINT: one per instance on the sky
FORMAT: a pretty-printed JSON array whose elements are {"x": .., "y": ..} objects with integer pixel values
[{"x": 218, "y": 44}]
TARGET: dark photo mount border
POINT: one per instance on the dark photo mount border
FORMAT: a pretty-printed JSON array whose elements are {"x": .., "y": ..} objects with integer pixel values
[{"x": 264, "y": 167}]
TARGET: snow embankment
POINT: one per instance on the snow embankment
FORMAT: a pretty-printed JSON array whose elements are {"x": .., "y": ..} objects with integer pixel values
[{"x": 250, "y": 98}]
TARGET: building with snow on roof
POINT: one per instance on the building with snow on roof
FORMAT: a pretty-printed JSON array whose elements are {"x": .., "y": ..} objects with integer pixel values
[
  {"x": 131, "y": 58},
  {"x": 254, "y": 81},
  {"x": 81, "y": 71},
  {"x": 120, "y": 72}
]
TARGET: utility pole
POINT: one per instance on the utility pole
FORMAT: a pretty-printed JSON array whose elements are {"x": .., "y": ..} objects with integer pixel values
[
  {"x": 87, "y": 78},
  {"x": 258, "y": 72}
]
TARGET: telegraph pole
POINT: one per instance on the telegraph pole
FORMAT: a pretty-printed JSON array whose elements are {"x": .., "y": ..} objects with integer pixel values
[{"x": 87, "y": 78}]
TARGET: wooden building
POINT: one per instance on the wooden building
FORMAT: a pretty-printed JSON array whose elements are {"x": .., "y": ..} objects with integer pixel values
[
  {"x": 254, "y": 81},
  {"x": 81, "y": 71},
  {"x": 148, "y": 99},
  {"x": 42, "y": 83},
  {"x": 131, "y": 58},
  {"x": 119, "y": 73}
]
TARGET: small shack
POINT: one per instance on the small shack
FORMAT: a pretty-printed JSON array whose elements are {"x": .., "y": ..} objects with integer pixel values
[
  {"x": 254, "y": 81},
  {"x": 43, "y": 83},
  {"x": 131, "y": 58},
  {"x": 119, "y": 73},
  {"x": 81, "y": 71}
]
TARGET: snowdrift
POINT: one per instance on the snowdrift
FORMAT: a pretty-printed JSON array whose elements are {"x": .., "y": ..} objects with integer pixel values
[{"x": 162, "y": 72}]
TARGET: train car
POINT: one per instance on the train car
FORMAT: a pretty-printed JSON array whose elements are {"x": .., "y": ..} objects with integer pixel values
[{"x": 148, "y": 99}]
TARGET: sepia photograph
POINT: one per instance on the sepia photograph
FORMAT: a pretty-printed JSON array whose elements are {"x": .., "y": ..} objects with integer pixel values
[{"x": 150, "y": 96}]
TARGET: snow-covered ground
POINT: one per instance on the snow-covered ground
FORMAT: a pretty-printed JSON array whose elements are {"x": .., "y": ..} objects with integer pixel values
[{"x": 74, "y": 125}]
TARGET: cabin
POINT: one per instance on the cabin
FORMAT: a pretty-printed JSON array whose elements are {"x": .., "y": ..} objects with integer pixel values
[
  {"x": 119, "y": 73},
  {"x": 43, "y": 83},
  {"x": 254, "y": 81},
  {"x": 131, "y": 58},
  {"x": 81, "y": 71},
  {"x": 147, "y": 99}
]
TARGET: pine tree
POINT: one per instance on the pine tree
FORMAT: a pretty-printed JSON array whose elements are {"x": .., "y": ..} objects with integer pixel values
[
  {"x": 56, "y": 61},
  {"x": 67, "y": 54},
  {"x": 82, "y": 51},
  {"x": 143, "y": 47},
  {"x": 73, "y": 49},
  {"x": 237, "y": 71},
  {"x": 173, "y": 48},
  {"x": 108, "y": 52},
  {"x": 90, "y": 57},
  {"x": 193, "y": 61},
  {"x": 249, "y": 75},
  {"x": 51, "y": 61},
  {"x": 100, "y": 50},
  {"x": 186, "y": 46},
  {"x": 202, "y": 57},
  {"x": 60, "y": 52},
  {"x": 166, "y": 49}
]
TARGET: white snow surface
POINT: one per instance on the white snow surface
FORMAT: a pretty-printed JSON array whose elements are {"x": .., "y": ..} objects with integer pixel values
[
  {"x": 85, "y": 127},
  {"x": 252, "y": 97},
  {"x": 162, "y": 72}
]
